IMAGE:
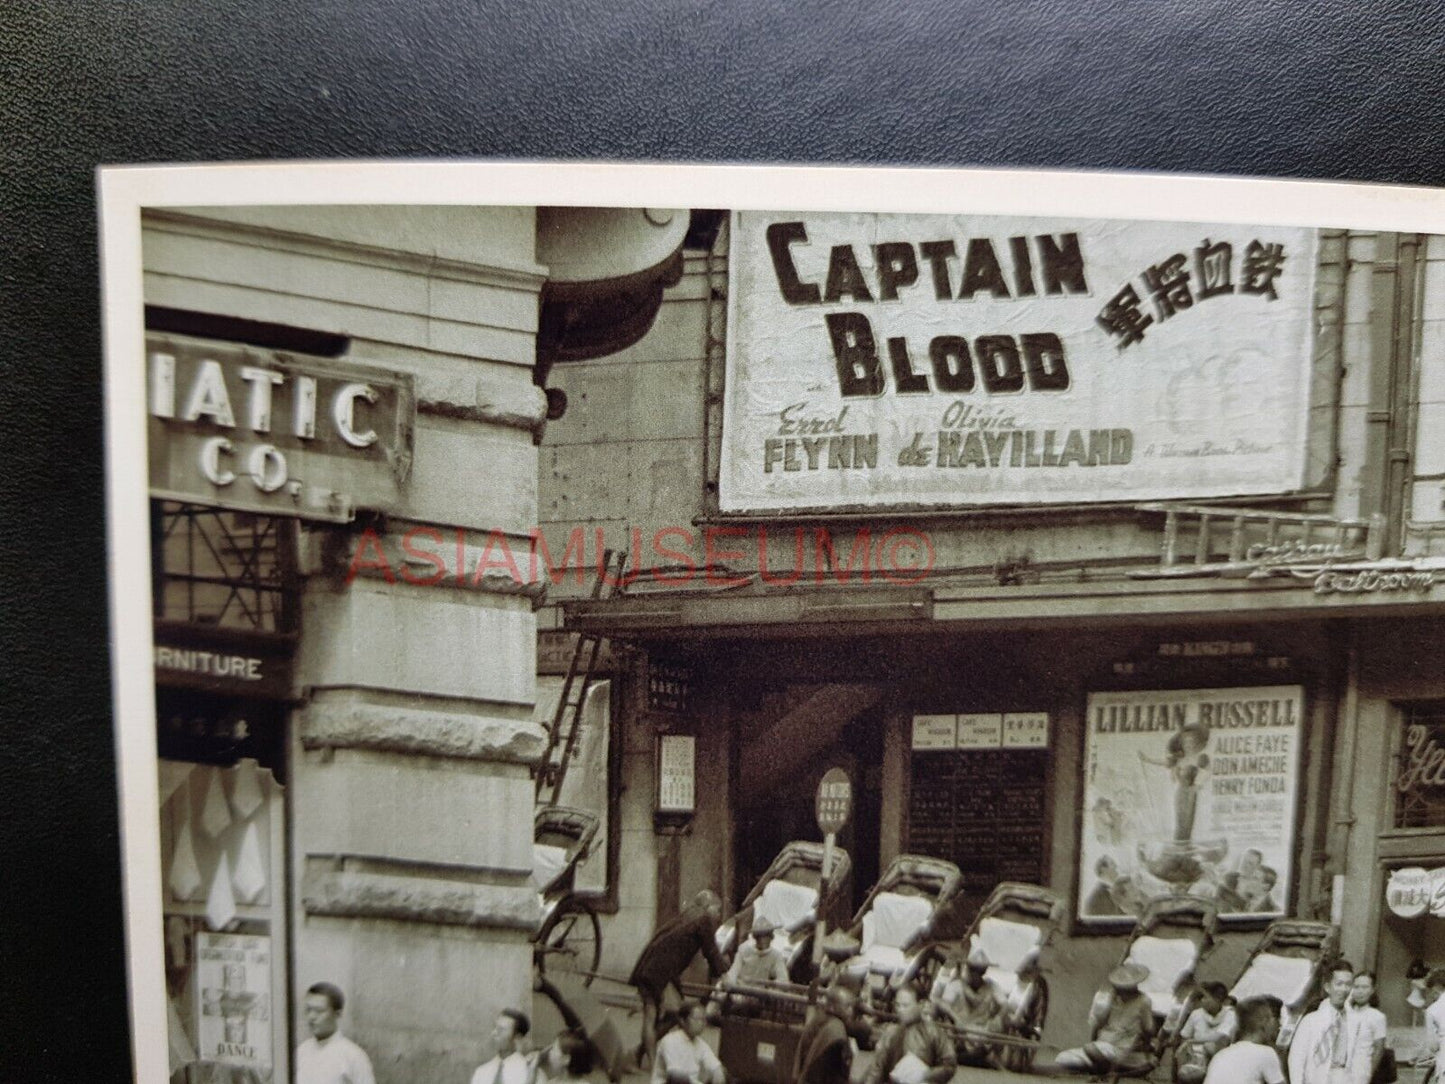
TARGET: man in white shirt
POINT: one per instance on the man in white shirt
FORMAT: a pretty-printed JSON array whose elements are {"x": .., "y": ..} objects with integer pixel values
[
  {"x": 1435, "y": 1022},
  {"x": 1253, "y": 1059},
  {"x": 1330, "y": 1047},
  {"x": 329, "y": 1057},
  {"x": 1371, "y": 1020},
  {"x": 682, "y": 1055},
  {"x": 508, "y": 1065}
]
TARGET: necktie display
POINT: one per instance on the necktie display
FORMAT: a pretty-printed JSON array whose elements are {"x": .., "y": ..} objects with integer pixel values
[
  {"x": 216, "y": 812},
  {"x": 185, "y": 875},
  {"x": 246, "y": 795},
  {"x": 221, "y": 901},
  {"x": 248, "y": 877}
]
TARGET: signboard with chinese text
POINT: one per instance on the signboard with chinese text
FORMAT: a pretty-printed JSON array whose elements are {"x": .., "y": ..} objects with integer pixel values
[
  {"x": 1193, "y": 791},
  {"x": 1026, "y": 730},
  {"x": 1413, "y": 891},
  {"x": 676, "y": 786},
  {"x": 276, "y": 433},
  {"x": 669, "y": 686},
  {"x": 889, "y": 360},
  {"x": 834, "y": 801},
  {"x": 233, "y": 985}
]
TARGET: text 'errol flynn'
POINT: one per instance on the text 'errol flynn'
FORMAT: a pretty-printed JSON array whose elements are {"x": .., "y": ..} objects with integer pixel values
[{"x": 1043, "y": 265}]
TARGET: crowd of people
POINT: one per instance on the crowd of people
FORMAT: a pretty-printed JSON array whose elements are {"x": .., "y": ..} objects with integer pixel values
[
  {"x": 1342, "y": 1041},
  {"x": 929, "y": 1032}
]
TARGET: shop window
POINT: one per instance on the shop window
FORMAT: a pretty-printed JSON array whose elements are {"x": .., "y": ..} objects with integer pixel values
[
  {"x": 222, "y": 840},
  {"x": 1419, "y": 772}
]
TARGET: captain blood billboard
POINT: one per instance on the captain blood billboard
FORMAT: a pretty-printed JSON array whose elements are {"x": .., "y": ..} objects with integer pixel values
[{"x": 879, "y": 360}]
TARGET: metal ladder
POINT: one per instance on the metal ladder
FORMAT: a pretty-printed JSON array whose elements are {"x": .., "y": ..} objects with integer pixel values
[{"x": 566, "y": 726}]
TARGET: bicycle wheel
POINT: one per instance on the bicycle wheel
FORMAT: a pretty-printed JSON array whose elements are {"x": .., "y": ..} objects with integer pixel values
[{"x": 571, "y": 941}]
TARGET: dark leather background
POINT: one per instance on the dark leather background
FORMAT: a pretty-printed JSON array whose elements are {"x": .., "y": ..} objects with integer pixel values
[{"x": 1284, "y": 88}]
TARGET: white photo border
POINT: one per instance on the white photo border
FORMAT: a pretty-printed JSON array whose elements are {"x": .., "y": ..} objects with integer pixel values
[{"x": 124, "y": 191}]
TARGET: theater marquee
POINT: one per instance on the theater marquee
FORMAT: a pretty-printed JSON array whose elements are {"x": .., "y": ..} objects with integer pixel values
[{"x": 889, "y": 361}]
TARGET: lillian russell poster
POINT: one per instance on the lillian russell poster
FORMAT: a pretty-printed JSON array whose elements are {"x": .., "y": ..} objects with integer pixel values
[{"x": 1189, "y": 791}]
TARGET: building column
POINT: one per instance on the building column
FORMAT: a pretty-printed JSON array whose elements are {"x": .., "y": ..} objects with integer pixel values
[{"x": 412, "y": 815}]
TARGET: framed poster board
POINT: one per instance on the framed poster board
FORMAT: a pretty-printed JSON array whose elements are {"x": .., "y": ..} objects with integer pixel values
[{"x": 1190, "y": 790}]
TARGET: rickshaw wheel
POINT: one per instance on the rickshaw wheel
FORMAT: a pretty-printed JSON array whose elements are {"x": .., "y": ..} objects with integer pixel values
[
  {"x": 1020, "y": 1059},
  {"x": 571, "y": 941}
]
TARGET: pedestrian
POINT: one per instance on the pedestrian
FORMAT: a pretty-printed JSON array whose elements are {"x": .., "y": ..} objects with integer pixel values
[
  {"x": 569, "y": 1060},
  {"x": 683, "y": 1056},
  {"x": 1328, "y": 1047},
  {"x": 1252, "y": 1059},
  {"x": 825, "y": 1049},
  {"x": 329, "y": 1057},
  {"x": 972, "y": 1002},
  {"x": 667, "y": 956},
  {"x": 1208, "y": 1030},
  {"x": 1434, "y": 1052},
  {"x": 915, "y": 1050},
  {"x": 1364, "y": 1005},
  {"x": 1121, "y": 1023},
  {"x": 508, "y": 1065}
]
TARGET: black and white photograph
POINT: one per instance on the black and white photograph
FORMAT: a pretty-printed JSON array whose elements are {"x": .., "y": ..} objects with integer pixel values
[{"x": 759, "y": 625}]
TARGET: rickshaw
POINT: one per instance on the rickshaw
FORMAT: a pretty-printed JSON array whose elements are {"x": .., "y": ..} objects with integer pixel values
[
  {"x": 1288, "y": 963},
  {"x": 886, "y": 941},
  {"x": 1172, "y": 936},
  {"x": 569, "y": 938},
  {"x": 790, "y": 896},
  {"x": 1011, "y": 930},
  {"x": 895, "y": 925}
]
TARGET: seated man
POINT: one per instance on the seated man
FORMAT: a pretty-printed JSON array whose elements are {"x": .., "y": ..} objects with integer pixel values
[
  {"x": 757, "y": 963},
  {"x": 1209, "y": 1029},
  {"x": 1121, "y": 1023},
  {"x": 915, "y": 1050},
  {"x": 972, "y": 1002}
]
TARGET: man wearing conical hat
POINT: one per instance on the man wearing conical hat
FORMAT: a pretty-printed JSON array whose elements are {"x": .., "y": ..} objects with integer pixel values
[{"x": 1121, "y": 1023}]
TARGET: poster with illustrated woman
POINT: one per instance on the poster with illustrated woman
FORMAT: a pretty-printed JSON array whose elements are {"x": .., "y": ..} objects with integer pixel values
[{"x": 1193, "y": 791}]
